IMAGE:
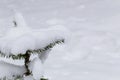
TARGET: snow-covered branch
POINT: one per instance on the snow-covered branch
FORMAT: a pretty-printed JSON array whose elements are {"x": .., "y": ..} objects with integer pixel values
[{"x": 38, "y": 51}]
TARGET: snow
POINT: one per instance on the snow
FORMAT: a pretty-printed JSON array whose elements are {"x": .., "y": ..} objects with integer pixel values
[
  {"x": 36, "y": 67},
  {"x": 93, "y": 52},
  {"x": 28, "y": 78},
  {"x": 21, "y": 38},
  {"x": 10, "y": 71},
  {"x": 44, "y": 55},
  {"x": 18, "y": 17}
]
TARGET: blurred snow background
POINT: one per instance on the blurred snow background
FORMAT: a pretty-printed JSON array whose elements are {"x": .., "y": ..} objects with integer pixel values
[{"x": 93, "y": 53}]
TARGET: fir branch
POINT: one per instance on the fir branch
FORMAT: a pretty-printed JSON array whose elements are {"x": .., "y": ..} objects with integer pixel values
[{"x": 38, "y": 51}]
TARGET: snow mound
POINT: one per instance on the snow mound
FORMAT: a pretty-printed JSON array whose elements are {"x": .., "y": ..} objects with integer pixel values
[{"x": 22, "y": 38}]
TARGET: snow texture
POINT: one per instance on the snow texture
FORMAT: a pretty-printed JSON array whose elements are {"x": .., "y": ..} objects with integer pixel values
[
  {"x": 29, "y": 78},
  {"x": 21, "y": 38},
  {"x": 36, "y": 67},
  {"x": 10, "y": 71},
  {"x": 44, "y": 55},
  {"x": 93, "y": 53}
]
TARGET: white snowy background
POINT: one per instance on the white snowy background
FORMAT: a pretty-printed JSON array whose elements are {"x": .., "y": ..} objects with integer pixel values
[{"x": 93, "y": 52}]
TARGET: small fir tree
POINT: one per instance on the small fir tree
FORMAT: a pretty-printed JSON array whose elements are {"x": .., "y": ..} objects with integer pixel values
[{"x": 21, "y": 42}]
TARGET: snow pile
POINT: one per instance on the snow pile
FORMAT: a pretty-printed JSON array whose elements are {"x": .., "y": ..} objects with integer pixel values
[{"x": 22, "y": 38}]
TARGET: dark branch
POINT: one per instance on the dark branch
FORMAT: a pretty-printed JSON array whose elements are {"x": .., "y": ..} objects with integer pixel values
[{"x": 27, "y": 61}]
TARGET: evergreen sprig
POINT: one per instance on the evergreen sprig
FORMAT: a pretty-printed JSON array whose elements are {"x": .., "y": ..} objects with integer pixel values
[{"x": 38, "y": 51}]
